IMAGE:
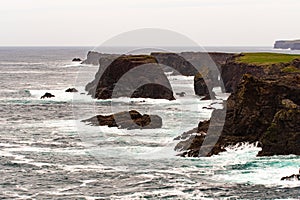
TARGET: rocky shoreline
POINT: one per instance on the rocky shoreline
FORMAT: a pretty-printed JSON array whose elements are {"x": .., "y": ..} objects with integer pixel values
[{"x": 263, "y": 106}]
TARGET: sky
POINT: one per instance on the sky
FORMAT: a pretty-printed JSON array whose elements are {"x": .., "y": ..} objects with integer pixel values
[{"x": 92, "y": 22}]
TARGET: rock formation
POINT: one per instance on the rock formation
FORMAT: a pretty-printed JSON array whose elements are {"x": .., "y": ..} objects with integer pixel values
[
  {"x": 287, "y": 44},
  {"x": 127, "y": 120},
  {"x": 135, "y": 76},
  {"x": 76, "y": 60},
  {"x": 294, "y": 177},
  {"x": 47, "y": 95},
  {"x": 184, "y": 62},
  {"x": 233, "y": 70},
  {"x": 71, "y": 90},
  {"x": 96, "y": 58},
  {"x": 264, "y": 110}
]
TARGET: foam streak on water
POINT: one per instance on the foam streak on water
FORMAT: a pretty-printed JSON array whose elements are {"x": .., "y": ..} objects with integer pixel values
[{"x": 43, "y": 154}]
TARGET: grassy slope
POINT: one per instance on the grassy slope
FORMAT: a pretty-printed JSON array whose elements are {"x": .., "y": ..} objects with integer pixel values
[{"x": 266, "y": 58}]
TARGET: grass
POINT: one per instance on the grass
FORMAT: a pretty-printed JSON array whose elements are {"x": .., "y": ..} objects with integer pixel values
[{"x": 266, "y": 58}]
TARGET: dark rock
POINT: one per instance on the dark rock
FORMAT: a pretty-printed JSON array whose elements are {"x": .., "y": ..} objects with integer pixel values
[
  {"x": 76, "y": 60},
  {"x": 127, "y": 120},
  {"x": 232, "y": 73},
  {"x": 47, "y": 95},
  {"x": 203, "y": 88},
  {"x": 294, "y": 177},
  {"x": 183, "y": 62},
  {"x": 283, "y": 135},
  {"x": 261, "y": 110},
  {"x": 181, "y": 94},
  {"x": 175, "y": 61},
  {"x": 145, "y": 80},
  {"x": 71, "y": 90}
]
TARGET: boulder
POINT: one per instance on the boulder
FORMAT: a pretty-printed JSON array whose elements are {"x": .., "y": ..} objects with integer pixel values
[
  {"x": 127, "y": 120},
  {"x": 71, "y": 90},
  {"x": 135, "y": 76},
  {"x": 76, "y": 60},
  {"x": 264, "y": 110},
  {"x": 47, "y": 95}
]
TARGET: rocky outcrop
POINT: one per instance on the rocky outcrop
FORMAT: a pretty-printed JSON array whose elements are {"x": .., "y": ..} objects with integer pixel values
[
  {"x": 127, "y": 120},
  {"x": 287, "y": 44},
  {"x": 183, "y": 62},
  {"x": 92, "y": 58},
  {"x": 175, "y": 62},
  {"x": 204, "y": 87},
  {"x": 76, "y": 60},
  {"x": 283, "y": 135},
  {"x": 294, "y": 177},
  {"x": 71, "y": 90},
  {"x": 135, "y": 76},
  {"x": 96, "y": 58},
  {"x": 47, "y": 95},
  {"x": 232, "y": 73},
  {"x": 261, "y": 110}
]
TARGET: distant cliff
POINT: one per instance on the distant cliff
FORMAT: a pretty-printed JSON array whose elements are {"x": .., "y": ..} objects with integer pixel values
[{"x": 287, "y": 44}]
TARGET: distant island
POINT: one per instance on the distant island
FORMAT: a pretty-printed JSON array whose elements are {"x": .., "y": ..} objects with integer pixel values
[{"x": 287, "y": 44}]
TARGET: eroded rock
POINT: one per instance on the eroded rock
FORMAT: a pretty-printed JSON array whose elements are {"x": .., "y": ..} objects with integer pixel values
[{"x": 127, "y": 120}]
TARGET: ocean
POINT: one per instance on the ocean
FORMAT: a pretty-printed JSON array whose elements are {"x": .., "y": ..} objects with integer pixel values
[{"x": 46, "y": 152}]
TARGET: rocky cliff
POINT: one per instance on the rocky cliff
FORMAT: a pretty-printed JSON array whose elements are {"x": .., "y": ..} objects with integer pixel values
[
  {"x": 256, "y": 64},
  {"x": 183, "y": 62},
  {"x": 264, "y": 110},
  {"x": 131, "y": 76},
  {"x": 287, "y": 44}
]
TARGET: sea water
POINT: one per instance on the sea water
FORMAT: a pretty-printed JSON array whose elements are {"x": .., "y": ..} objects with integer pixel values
[{"x": 46, "y": 151}]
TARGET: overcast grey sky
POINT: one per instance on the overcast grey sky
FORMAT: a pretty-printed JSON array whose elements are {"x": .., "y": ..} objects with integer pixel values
[{"x": 91, "y": 22}]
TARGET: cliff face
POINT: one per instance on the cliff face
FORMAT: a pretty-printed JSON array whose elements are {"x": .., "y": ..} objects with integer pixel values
[
  {"x": 131, "y": 76},
  {"x": 261, "y": 110},
  {"x": 233, "y": 70},
  {"x": 287, "y": 44},
  {"x": 232, "y": 73}
]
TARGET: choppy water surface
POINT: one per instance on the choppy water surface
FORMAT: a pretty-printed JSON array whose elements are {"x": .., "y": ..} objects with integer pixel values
[{"x": 47, "y": 152}]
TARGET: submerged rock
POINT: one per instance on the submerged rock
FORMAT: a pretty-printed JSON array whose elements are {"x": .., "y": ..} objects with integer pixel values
[
  {"x": 47, "y": 95},
  {"x": 181, "y": 94},
  {"x": 127, "y": 120}
]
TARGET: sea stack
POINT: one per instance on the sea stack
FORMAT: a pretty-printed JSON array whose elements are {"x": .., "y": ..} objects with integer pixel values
[{"x": 135, "y": 76}]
